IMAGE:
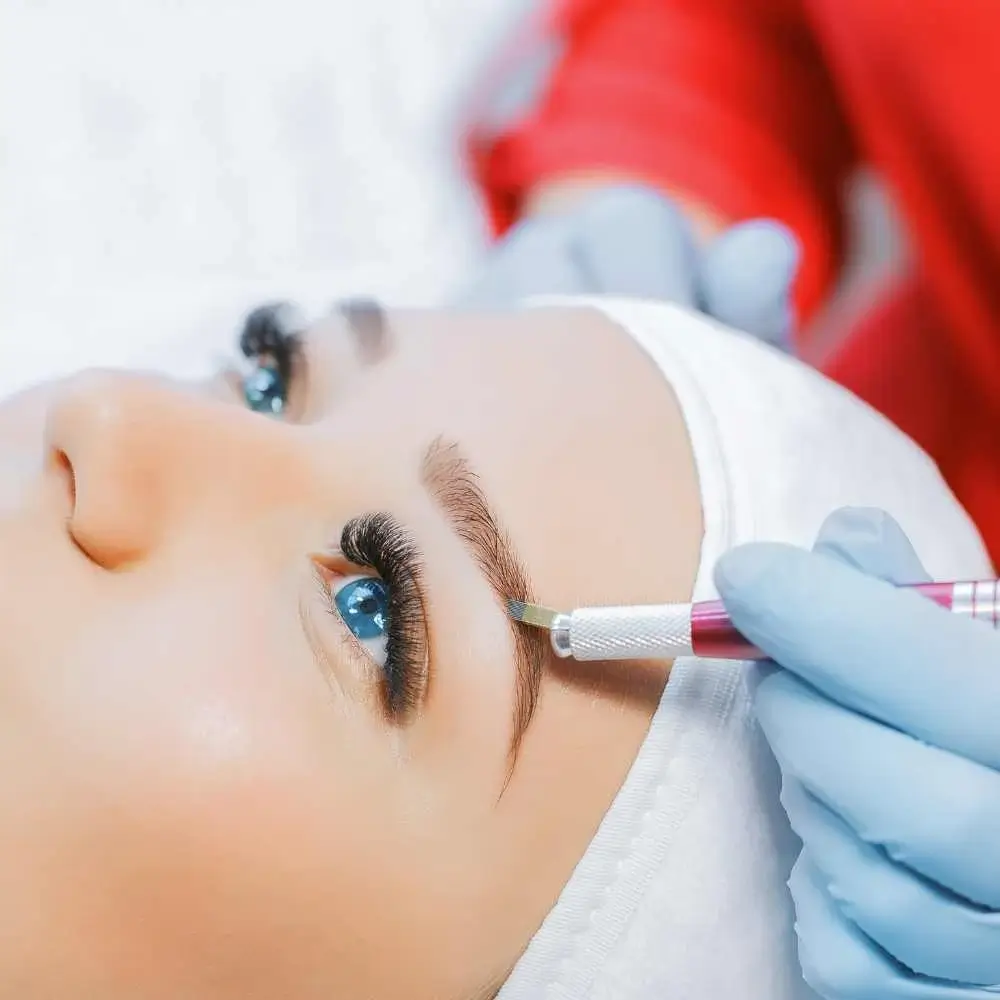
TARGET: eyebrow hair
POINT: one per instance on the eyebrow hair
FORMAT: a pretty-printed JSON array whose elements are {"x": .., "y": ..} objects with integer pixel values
[
  {"x": 447, "y": 476},
  {"x": 366, "y": 320}
]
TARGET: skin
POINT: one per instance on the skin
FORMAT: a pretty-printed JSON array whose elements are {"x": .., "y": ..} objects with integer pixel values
[{"x": 192, "y": 804}]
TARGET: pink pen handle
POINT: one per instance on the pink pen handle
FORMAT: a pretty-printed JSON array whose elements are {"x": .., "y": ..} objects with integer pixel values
[{"x": 714, "y": 636}]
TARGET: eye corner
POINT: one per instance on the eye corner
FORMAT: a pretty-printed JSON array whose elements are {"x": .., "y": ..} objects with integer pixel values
[
  {"x": 335, "y": 571},
  {"x": 334, "y": 563}
]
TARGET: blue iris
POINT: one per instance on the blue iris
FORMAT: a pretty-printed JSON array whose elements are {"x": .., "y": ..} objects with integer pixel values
[
  {"x": 265, "y": 391},
  {"x": 364, "y": 605}
]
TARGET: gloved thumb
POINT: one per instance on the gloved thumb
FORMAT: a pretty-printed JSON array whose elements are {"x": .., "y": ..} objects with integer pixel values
[
  {"x": 871, "y": 541},
  {"x": 633, "y": 240},
  {"x": 746, "y": 279},
  {"x": 533, "y": 259}
]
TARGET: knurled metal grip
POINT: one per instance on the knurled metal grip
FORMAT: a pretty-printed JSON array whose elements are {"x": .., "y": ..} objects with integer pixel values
[{"x": 651, "y": 632}]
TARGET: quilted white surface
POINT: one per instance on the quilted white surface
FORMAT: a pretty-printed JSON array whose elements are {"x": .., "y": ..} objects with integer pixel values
[{"x": 167, "y": 163}]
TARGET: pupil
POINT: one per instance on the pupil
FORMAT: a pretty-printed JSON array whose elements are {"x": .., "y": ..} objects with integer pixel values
[
  {"x": 363, "y": 605},
  {"x": 264, "y": 391}
]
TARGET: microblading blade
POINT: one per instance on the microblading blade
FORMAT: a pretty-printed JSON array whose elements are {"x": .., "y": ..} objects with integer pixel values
[{"x": 532, "y": 614}]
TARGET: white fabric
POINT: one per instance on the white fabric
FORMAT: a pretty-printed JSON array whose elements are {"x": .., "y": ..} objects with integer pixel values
[
  {"x": 165, "y": 164},
  {"x": 681, "y": 895}
]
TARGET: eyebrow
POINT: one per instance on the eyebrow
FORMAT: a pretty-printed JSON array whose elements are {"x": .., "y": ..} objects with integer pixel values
[
  {"x": 447, "y": 476},
  {"x": 366, "y": 320}
]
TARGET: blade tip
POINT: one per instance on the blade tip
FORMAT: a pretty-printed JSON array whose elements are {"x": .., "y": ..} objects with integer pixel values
[
  {"x": 516, "y": 609},
  {"x": 530, "y": 614}
]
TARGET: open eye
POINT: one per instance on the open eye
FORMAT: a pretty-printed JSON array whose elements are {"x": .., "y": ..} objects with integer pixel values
[
  {"x": 363, "y": 603},
  {"x": 271, "y": 345},
  {"x": 383, "y": 610},
  {"x": 264, "y": 388}
]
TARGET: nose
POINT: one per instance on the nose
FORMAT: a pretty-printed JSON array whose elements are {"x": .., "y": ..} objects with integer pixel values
[{"x": 144, "y": 458}]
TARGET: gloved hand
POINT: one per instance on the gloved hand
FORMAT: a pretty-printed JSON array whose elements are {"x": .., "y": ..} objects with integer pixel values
[
  {"x": 634, "y": 241},
  {"x": 886, "y": 724}
]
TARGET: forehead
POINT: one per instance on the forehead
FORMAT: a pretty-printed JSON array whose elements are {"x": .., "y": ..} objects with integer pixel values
[
  {"x": 545, "y": 403},
  {"x": 499, "y": 373}
]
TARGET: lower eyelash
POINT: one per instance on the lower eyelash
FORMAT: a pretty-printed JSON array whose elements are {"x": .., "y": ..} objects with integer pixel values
[{"x": 378, "y": 542}]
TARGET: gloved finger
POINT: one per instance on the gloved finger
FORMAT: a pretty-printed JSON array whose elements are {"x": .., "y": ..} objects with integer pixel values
[
  {"x": 871, "y": 541},
  {"x": 533, "y": 259},
  {"x": 840, "y": 963},
  {"x": 931, "y": 932},
  {"x": 633, "y": 241},
  {"x": 746, "y": 278},
  {"x": 933, "y": 812},
  {"x": 872, "y": 647}
]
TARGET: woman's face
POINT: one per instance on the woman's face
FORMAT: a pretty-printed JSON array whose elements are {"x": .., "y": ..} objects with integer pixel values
[{"x": 224, "y": 774}]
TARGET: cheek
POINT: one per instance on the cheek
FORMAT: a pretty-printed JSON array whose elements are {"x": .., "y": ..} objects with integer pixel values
[
  {"x": 185, "y": 720},
  {"x": 206, "y": 778},
  {"x": 176, "y": 685}
]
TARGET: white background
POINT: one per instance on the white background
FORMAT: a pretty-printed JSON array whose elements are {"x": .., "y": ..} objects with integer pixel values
[{"x": 167, "y": 163}]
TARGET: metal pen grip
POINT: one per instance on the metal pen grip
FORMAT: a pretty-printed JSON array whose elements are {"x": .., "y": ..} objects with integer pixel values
[
  {"x": 979, "y": 599},
  {"x": 657, "y": 631}
]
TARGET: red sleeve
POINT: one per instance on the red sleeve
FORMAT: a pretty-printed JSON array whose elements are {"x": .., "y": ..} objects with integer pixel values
[{"x": 726, "y": 101}]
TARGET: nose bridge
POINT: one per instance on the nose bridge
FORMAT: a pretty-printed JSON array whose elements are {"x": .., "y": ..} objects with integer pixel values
[{"x": 146, "y": 455}]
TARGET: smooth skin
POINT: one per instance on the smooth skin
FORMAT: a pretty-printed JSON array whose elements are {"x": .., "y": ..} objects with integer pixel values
[{"x": 194, "y": 803}]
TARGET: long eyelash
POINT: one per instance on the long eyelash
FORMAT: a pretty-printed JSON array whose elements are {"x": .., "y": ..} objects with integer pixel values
[
  {"x": 377, "y": 541},
  {"x": 273, "y": 331}
]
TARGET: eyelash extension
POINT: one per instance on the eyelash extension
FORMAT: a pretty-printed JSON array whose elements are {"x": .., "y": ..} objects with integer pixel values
[
  {"x": 271, "y": 331},
  {"x": 378, "y": 542}
]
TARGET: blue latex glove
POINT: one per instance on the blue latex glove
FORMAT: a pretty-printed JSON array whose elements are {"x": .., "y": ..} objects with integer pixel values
[
  {"x": 634, "y": 241},
  {"x": 886, "y": 724}
]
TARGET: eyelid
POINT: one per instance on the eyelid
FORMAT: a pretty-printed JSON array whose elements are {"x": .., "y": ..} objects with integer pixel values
[
  {"x": 330, "y": 365},
  {"x": 333, "y": 563},
  {"x": 300, "y": 379}
]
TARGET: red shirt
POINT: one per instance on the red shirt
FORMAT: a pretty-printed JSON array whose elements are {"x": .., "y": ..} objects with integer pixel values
[{"x": 760, "y": 108}]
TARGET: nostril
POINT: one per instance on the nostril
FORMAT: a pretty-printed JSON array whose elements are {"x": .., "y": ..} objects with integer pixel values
[
  {"x": 100, "y": 519},
  {"x": 64, "y": 469}
]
